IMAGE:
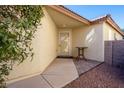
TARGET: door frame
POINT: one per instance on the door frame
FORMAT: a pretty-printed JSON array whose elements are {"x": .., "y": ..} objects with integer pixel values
[{"x": 70, "y": 42}]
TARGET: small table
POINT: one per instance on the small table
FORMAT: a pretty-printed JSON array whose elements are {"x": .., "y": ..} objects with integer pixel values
[{"x": 81, "y": 53}]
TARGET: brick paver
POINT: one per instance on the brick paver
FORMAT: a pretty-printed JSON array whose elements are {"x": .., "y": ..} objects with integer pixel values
[{"x": 103, "y": 76}]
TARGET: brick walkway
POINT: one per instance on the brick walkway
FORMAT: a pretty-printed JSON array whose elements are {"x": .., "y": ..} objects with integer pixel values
[
  {"x": 103, "y": 76},
  {"x": 84, "y": 66}
]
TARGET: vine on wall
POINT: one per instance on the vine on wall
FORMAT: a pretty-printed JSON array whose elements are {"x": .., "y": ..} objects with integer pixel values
[{"x": 17, "y": 27}]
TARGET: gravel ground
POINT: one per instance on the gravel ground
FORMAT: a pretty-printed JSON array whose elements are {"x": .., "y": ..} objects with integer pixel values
[{"x": 103, "y": 76}]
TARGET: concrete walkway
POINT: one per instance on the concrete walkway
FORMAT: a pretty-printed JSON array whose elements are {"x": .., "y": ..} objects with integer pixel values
[{"x": 58, "y": 74}]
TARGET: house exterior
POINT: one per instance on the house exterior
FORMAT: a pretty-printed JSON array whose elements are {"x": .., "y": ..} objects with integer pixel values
[{"x": 61, "y": 32}]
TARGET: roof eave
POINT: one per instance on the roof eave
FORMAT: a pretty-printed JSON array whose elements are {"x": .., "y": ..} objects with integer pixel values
[
  {"x": 115, "y": 26},
  {"x": 69, "y": 13},
  {"x": 79, "y": 18},
  {"x": 110, "y": 21}
]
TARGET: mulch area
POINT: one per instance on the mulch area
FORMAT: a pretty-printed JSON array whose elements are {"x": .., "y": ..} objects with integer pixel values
[{"x": 102, "y": 76}]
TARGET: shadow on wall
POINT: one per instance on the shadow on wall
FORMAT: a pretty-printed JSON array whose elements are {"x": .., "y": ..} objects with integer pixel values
[
  {"x": 86, "y": 38},
  {"x": 90, "y": 41},
  {"x": 90, "y": 37}
]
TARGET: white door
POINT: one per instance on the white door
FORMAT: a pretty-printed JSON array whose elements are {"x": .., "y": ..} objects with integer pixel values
[{"x": 64, "y": 43}]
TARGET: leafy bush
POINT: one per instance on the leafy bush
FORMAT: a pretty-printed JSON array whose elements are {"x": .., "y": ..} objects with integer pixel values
[{"x": 17, "y": 27}]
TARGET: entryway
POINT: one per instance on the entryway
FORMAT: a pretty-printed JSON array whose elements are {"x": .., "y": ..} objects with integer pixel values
[{"x": 64, "y": 43}]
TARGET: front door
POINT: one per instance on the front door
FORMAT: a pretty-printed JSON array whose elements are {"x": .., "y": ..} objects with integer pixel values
[{"x": 64, "y": 43}]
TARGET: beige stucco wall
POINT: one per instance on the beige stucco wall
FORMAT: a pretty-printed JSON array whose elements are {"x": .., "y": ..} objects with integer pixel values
[
  {"x": 91, "y": 37},
  {"x": 45, "y": 45},
  {"x": 109, "y": 33}
]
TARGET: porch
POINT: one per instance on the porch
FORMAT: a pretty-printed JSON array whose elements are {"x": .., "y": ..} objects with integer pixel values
[
  {"x": 61, "y": 72},
  {"x": 71, "y": 32}
]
